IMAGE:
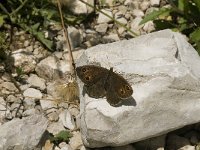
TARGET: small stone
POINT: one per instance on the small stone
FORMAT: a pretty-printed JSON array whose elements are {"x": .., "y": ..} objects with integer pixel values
[
  {"x": 51, "y": 68},
  {"x": 121, "y": 30},
  {"x": 76, "y": 142},
  {"x": 120, "y": 17},
  {"x": 188, "y": 147},
  {"x": 24, "y": 87},
  {"x": 64, "y": 146},
  {"x": 127, "y": 16},
  {"x": 149, "y": 27},
  {"x": 26, "y": 43},
  {"x": 75, "y": 36},
  {"x": 104, "y": 19},
  {"x": 8, "y": 115},
  {"x": 29, "y": 48},
  {"x": 32, "y": 93},
  {"x": 144, "y": 5},
  {"x": 83, "y": 148},
  {"x": 48, "y": 145},
  {"x": 24, "y": 60},
  {"x": 47, "y": 104},
  {"x": 11, "y": 99},
  {"x": 9, "y": 86},
  {"x": 123, "y": 9},
  {"x": 2, "y": 109},
  {"x": 111, "y": 38},
  {"x": 53, "y": 116},
  {"x": 102, "y": 28},
  {"x": 36, "y": 82},
  {"x": 67, "y": 120},
  {"x": 155, "y": 2},
  {"x": 30, "y": 112},
  {"x": 6, "y": 77},
  {"x": 55, "y": 127},
  {"x": 135, "y": 27},
  {"x": 137, "y": 13}
]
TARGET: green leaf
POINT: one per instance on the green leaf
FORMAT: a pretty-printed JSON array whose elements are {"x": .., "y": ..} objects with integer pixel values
[
  {"x": 155, "y": 14},
  {"x": 195, "y": 36},
  {"x": 197, "y": 3},
  {"x": 1, "y": 20},
  {"x": 40, "y": 36},
  {"x": 163, "y": 24},
  {"x": 62, "y": 136}
]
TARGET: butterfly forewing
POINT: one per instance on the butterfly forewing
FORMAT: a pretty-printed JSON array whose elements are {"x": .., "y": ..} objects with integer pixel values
[{"x": 90, "y": 74}]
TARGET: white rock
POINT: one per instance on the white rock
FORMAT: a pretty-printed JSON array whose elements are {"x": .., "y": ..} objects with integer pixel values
[
  {"x": 67, "y": 120},
  {"x": 26, "y": 132},
  {"x": 51, "y": 68},
  {"x": 101, "y": 28},
  {"x": 132, "y": 4},
  {"x": 149, "y": 27},
  {"x": 111, "y": 38},
  {"x": 135, "y": 27},
  {"x": 77, "y": 7},
  {"x": 144, "y": 5},
  {"x": 9, "y": 86},
  {"x": 2, "y": 109},
  {"x": 120, "y": 17},
  {"x": 155, "y": 2},
  {"x": 188, "y": 147},
  {"x": 55, "y": 127},
  {"x": 164, "y": 72},
  {"x": 36, "y": 81},
  {"x": 137, "y": 13},
  {"x": 76, "y": 37},
  {"x": 104, "y": 19},
  {"x": 76, "y": 141},
  {"x": 24, "y": 60},
  {"x": 47, "y": 104},
  {"x": 64, "y": 146},
  {"x": 32, "y": 93}
]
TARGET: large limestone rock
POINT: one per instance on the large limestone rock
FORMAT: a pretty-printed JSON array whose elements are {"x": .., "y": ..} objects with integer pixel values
[
  {"x": 163, "y": 69},
  {"x": 22, "y": 134}
]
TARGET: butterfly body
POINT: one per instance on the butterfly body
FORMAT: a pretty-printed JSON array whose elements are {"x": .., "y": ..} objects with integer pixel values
[{"x": 100, "y": 82}]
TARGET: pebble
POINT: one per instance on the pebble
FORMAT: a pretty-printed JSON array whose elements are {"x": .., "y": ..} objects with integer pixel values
[
  {"x": 155, "y": 2},
  {"x": 9, "y": 86},
  {"x": 36, "y": 82},
  {"x": 104, "y": 19},
  {"x": 101, "y": 28},
  {"x": 76, "y": 142},
  {"x": 32, "y": 93},
  {"x": 67, "y": 120}
]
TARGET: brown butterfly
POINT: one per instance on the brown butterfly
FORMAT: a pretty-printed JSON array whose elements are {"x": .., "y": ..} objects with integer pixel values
[{"x": 100, "y": 82}]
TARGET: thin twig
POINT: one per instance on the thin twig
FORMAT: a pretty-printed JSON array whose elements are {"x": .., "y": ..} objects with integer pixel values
[
  {"x": 20, "y": 7},
  {"x": 66, "y": 38}
]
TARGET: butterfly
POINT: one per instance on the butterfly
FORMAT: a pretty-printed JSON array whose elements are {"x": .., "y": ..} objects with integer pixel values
[{"x": 101, "y": 82}]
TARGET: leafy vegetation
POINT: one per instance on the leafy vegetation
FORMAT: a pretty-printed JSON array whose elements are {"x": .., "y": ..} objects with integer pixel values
[
  {"x": 62, "y": 136},
  {"x": 182, "y": 16},
  {"x": 34, "y": 17}
]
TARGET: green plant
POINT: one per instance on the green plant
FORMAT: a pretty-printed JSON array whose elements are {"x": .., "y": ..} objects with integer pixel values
[
  {"x": 62, "y": 136},
  {"x": 182, "y": 16},
  {"x": 34, "y": 16}
]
